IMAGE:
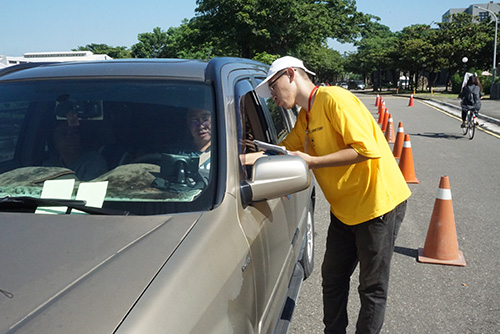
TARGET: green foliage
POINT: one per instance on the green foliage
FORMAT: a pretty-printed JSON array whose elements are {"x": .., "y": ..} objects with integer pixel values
[
  {"x": 486, "y": 83},
  {"x": 327, "y": 63},
  {"x": 265, "y": 57},
  {"x": 277, "y": 26},
  {"x": 151, "y": 44},
  {"x": 456, "y": 83},
  {"x": 463, "y": 38},
  {"x": 114, "y": 52}
]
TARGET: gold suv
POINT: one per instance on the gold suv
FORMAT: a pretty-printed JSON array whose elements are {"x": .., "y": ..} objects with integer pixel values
[{"x": 131, "y": 200}]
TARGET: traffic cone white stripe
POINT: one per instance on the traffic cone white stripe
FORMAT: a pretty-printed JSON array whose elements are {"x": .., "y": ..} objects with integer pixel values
[
  {"x": 398, "y": 144},
  {"x": 444, "y": 194},
  {"x": 406, "y": 162},
  {"x": 441, "y": 244}
]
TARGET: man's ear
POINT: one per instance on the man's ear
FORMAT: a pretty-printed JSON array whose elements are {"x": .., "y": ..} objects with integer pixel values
[{"x": 291, "y": 73}]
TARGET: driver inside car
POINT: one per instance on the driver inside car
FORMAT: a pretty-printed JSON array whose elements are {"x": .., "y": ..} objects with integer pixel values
[
  {"x": 199, "y": 126},
  {"x": 69, "y": 153}
]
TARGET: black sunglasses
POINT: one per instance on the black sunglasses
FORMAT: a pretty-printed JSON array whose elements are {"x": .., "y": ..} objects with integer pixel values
[{"x": 279, "y": 76}]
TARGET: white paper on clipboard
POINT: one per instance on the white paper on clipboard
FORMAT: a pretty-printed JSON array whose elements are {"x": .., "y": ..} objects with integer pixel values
[{"x": 270, "y": 147}]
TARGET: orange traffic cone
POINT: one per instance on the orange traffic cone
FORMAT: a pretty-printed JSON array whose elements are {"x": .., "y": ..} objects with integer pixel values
[
  {"x": 411, "y": 101},
  {"x": 381, "y": 105},
  {"x": 406, "y": 162},
  {"x": 398, "y": 145},
  {"x": 377, "y": 101},
  {"x": 381, "y": 115},
  {"x": 389, "y": 131},
  {"x": 441, "y": 246},
  {"x": 385, "y": 120}
]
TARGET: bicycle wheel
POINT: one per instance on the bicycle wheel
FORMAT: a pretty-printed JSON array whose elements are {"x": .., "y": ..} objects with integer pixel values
[
  {"x": 471, "y": 126},
  {"x": 465, "y": 129}
]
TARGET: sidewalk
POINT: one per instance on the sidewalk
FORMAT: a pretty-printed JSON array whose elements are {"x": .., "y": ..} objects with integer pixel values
[
  {"x": 490, "y": 109},
  {"x": 489, "y": 115}
]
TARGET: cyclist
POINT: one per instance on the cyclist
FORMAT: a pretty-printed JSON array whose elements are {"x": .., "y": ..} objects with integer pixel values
[{"x": 471, "y": 98}]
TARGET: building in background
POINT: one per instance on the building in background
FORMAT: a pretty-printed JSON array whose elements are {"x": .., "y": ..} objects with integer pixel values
[
  {"x": 37, "y": 57},
  {"x": 474, "y": 11}
]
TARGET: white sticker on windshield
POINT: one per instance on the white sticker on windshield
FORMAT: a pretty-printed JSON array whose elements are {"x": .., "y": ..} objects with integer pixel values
[
  {"x": 93, "y": 193},
  {"x": 57, "y": 189}
]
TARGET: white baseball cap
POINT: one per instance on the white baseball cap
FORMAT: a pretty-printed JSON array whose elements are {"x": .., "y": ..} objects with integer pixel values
[{"x": 279, "y": 64}]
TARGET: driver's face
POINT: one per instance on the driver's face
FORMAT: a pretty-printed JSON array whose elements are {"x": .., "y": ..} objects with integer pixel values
[
  {"x": 67, "y": 138},
  {"x": 200, "y": 126}
]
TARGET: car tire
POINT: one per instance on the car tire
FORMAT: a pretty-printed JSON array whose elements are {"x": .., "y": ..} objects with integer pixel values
[{"x": 307, "y": 258}]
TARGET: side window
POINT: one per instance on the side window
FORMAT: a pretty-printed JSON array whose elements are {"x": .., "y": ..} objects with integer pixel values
[
  {"x": 251, "y": 119},
  {"x": 279, "y": 120},
  {"x": 252, "y": 123},
  {"x": 282, "y": 119},
  {"x": 11, "y": 119}
]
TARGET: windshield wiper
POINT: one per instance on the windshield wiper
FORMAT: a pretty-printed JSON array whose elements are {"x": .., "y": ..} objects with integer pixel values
[{"x": 25, "y": 202}]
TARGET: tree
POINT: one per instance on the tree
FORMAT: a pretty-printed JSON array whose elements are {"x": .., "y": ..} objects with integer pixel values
[
  {"x": 177, "y": 42},
  {"x": 327, "y": 63},
  {"x": 461, "y": 37},
  {"x": 277, "y": 26},
  {"x": 375, "y": 53},
  {"x": 114, "y": 52},
  {"x": 151, "y": 44},
  {"x": 265, "y": 57},
  {"x": 415, "y": 50},
  {"x": 185, "y": 42}
]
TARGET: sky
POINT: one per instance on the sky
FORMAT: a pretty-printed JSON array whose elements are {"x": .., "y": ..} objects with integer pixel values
[{"x": 62, "y": 25}]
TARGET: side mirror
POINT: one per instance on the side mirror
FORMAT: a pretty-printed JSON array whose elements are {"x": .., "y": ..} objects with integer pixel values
[{"x": 276, "y": 176}]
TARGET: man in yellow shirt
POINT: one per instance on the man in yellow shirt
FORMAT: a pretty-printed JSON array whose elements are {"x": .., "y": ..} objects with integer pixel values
[{"x": 340, "y": 140}]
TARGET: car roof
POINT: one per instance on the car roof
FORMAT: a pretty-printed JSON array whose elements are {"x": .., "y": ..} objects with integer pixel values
[
  {"x": 172, "y": 68},
  {"x": 182, "y": 69}
]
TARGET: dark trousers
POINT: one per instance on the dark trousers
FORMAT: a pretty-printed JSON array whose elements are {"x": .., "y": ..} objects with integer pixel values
[{"x": 371, "y": 244}]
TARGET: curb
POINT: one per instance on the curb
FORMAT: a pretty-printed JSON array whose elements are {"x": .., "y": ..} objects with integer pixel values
[
  {"x": 480, "y": 116},
  {"x": 491, "y": 124}
]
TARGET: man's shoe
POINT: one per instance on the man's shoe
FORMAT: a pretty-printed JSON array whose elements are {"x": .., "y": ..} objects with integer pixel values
[{"x": 462, "y": 125}]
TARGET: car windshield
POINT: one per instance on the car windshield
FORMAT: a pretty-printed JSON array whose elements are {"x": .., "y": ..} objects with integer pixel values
[{"x": 142, "y": 146}]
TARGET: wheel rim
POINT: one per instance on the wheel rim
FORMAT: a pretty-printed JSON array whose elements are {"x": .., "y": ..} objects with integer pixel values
[
  {"x": 472, "y": 130},
  {"x": 470, "y": 125},
  {"x": 465, "y": 129}
]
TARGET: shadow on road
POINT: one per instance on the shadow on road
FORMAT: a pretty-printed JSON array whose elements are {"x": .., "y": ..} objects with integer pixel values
[
  {"x": 438, "y": 135},
  {"x": 406, "y": 251}
]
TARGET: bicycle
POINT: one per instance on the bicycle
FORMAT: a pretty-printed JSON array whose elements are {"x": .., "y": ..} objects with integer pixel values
[{"x": 470, "y": 123}]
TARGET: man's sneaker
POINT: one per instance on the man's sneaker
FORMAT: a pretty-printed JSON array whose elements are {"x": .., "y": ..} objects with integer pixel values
[{"x": 462, "y": 125}]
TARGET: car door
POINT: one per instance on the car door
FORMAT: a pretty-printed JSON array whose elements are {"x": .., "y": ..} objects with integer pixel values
[{"x": 270, "y": 226}]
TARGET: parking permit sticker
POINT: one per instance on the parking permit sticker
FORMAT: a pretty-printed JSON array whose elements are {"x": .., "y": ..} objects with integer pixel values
[
  {"x": 93, "y": 193},
  {"x": 60, "y": 189}
]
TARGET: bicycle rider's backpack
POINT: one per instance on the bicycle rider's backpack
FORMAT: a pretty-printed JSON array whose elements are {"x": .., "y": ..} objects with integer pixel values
[{"x": 469, "y": 98}]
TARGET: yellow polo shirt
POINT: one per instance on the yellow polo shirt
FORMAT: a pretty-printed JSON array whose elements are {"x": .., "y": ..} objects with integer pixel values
[{"x": 358, "y": 192}]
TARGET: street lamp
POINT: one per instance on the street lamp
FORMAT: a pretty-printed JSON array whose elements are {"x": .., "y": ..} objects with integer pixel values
[{"x": 495, "y": 44}]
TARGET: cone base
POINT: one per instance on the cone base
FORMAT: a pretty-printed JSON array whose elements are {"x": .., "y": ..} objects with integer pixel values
[
  {"x": 413, "y": 181},
  {"x": 458, "y": 262}
]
